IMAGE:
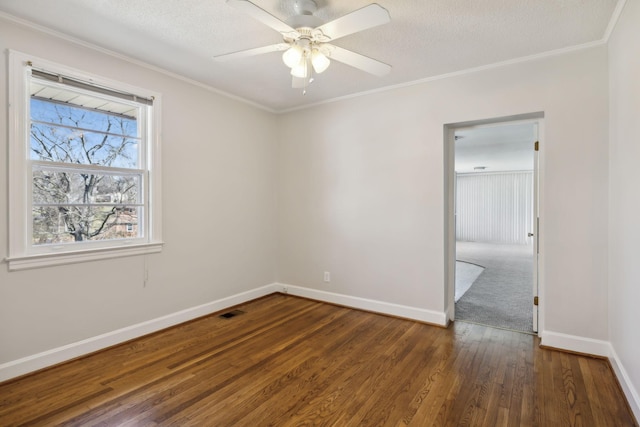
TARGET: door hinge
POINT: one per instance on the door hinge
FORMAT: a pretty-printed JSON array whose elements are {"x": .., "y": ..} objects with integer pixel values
[
  {"x": 536, "y": 146},
  {"x": 535, "y": 300}
]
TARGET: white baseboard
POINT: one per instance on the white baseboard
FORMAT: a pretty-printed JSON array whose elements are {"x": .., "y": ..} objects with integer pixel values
[
  {"x": 575, "y": 343},
  {"x": 413, "y": 313},
  {"x": 54, "y": 356},
  {"x": 625, "y": 382}
]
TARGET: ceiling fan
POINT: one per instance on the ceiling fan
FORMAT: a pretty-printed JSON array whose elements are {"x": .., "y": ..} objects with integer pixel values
[{"x": 306, "y": 39}]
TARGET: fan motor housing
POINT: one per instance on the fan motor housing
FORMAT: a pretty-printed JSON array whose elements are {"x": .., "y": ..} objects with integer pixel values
[
  {"x": 305, "y": 7},
  {"x": 304, "y": 17},
  {"x": 304, "y": 21}
]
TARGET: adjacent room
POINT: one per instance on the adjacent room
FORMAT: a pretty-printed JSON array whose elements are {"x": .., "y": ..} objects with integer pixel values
[
  {"x": 243, "y": 212},
  {"x": 495, "y": 214}
]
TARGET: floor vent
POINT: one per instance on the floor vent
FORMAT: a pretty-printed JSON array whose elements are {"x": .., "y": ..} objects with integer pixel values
[{"x": 231, "y": 314}]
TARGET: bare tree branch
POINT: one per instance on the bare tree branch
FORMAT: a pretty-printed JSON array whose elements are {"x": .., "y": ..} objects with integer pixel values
[
  {"x": 106, "y": 218},
  {"x": 75, "y": 193}
]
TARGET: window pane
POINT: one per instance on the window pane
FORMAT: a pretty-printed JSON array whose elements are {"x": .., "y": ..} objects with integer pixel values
[
  {"x": 64, "y": 133},
  {"x": 73, "y": 223},
  {"x": 72, "y": 187},
  {"x": 87, "y": 112}
]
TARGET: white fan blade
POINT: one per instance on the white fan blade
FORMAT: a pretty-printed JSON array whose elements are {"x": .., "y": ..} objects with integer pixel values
[
  {"x": 263, "y": 16},
  {"x": 358, "y": 20},
  {"x": 358, "y": 61},
  {"x": 252, "y": 52}
]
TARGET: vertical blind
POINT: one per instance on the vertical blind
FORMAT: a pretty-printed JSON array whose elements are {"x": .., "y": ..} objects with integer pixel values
[{"x": 494, "y": 207}]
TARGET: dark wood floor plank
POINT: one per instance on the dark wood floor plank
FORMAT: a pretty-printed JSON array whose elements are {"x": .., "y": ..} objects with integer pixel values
[
  {"x": 564, "y": 398},
  {"x": 363, "y": 386},
  {"x": 413, "y": 374},
  {"x": 328, "y": 385},
  {"x": 535, "y": 396},
  {"x": 413, "y": 384},
  {"x": 607, "y": 392},
  {"x": 440, "y": 381},
  {"x": 593, "y": 398},
  {"x": 519, "y": 384},
  {"x": 216, "y": 371},
  {"x": 292, "y": 361},
  {"x": 272, "y": 362},
  {"x": 486, "y": 380},
  {"x": 457, "y": 380},
  {"x": 446, "y": 381},
  {"x": 430, "y": 382},
  {"x": 249, "y": 392}
]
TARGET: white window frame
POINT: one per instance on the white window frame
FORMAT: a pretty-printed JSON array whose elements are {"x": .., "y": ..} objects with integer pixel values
[{"x": 22, "y": 253}]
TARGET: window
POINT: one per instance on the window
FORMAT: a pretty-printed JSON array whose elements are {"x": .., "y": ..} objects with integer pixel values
[{"x": 84, "y": 157}]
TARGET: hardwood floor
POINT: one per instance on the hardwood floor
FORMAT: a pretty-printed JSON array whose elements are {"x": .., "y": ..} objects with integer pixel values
[{"x": 289, "y": 361}]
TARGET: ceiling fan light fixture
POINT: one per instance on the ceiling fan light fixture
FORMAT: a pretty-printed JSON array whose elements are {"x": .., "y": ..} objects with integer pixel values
[
  {"x": 306, "y": 38},
  {"x": 319, "y": 61},
  {"x": 302, "y": 70},
  {"x": 292, "y": 56}
]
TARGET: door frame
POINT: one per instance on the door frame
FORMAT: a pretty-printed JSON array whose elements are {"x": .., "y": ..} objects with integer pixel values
[{"x": 536, "y": 118}]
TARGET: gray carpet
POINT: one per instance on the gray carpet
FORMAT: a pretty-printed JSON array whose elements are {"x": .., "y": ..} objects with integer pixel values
[
  {"x": 466, "y": 274},
  {"x": 502, "y": 295}
]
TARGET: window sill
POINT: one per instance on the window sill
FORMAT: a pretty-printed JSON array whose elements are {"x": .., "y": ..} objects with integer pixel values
[{"x": 48, "y": 260}]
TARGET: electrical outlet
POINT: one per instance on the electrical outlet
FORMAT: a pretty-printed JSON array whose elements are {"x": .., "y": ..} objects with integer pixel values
[
  {"x": 285, "y": 290},
  {"x": 327, "y": 276}
]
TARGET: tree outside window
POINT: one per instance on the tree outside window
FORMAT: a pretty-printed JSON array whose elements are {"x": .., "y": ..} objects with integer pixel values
[{"x": 80, "y": 190}]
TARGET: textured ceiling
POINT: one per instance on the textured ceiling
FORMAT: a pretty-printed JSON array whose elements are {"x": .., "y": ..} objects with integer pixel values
[{"x": 425, "y": 38}]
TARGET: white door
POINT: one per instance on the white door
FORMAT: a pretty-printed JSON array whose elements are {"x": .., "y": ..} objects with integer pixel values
[{"x": 536, "y": 221}]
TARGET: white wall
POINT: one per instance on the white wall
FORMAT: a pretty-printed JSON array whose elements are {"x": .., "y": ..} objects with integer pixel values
[
  {"x": 219, "y": 215},
  {"x": 624, "y": 221},
  {"x": 361, "y": 187},
  {"x": 494, "y": 207}
]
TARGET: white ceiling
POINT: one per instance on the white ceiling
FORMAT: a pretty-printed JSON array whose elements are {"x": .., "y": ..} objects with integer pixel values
[
  {"x": 505, "y": 147},
  {"x": 426, "y": 38}
]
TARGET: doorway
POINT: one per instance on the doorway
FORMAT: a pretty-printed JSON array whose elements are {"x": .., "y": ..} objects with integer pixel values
[{"x": 493, "y": 221}]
